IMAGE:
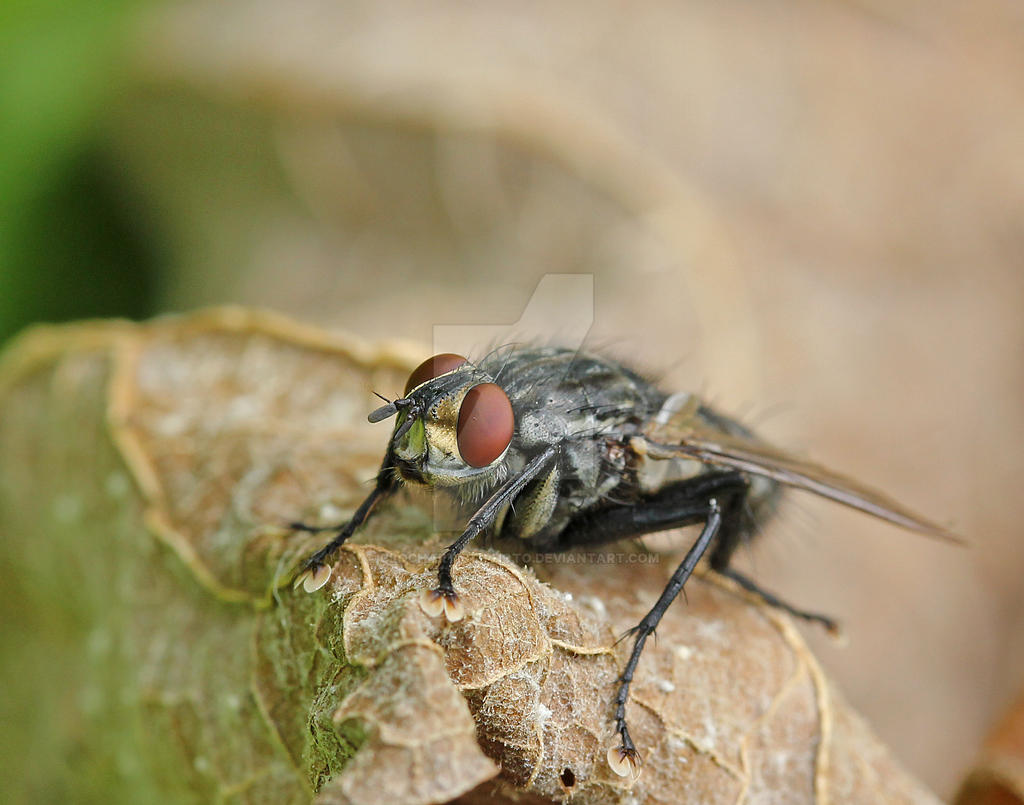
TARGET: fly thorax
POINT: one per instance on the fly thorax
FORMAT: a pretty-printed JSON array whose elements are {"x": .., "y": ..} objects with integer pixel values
[{"x": 541, "y": 428}]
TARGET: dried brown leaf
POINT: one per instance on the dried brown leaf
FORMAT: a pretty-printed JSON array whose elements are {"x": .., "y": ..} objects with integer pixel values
[{"x": 231, "y": 422}]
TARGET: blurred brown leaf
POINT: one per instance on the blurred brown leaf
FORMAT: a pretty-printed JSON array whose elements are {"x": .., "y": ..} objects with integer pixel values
[{"x": 998, "y": 776}]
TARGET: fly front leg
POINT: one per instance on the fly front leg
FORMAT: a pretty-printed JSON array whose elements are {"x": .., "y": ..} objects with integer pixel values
[
  {"x": 315, "y": 570},
  {"x": 443, "y": 599}
]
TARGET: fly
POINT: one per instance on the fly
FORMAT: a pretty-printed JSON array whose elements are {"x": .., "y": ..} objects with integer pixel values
[{"x": 569, "y": 450}]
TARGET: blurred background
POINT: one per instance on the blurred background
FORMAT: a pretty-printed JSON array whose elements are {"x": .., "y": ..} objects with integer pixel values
[{"x": 809, "y": 212}]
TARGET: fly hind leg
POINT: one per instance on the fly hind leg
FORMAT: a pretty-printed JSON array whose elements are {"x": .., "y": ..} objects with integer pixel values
[
  {"x": 714, "y": 499},
  {"x": 624, "y": 759},
  {"x": 774, "y": 601},
  {"x": 722, "y": 554}
]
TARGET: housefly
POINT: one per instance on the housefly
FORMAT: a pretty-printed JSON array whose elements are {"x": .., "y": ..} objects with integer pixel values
[{"x": 567, "y": 450}]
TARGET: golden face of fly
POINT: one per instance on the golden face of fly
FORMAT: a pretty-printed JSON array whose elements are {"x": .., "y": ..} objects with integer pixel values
[{"x": 454, "y": 427}]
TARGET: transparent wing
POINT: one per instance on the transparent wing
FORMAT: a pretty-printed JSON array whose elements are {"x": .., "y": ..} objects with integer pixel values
[{"x": 684, "y": 434}]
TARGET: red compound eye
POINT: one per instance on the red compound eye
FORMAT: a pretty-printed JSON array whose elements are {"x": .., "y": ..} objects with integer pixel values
[
  {"x": 433, "y": 367},
  {"x": 485, "y": 424}
]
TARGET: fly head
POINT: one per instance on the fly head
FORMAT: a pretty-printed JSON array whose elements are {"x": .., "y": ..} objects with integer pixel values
[{"x": 454, "y": 424}]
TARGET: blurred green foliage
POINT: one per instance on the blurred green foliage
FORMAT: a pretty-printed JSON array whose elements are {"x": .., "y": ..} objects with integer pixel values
[{"x": 72, "y": 244}]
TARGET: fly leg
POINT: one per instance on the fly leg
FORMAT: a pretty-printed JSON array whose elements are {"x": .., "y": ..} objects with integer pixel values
[
  {"x": 722, "y": 555},
  {"x": 676, "y": 504},
  {"x": 315, "y": 571},
  {"x": 773, "y": 600},
  {"x": 714, "y": 499},
  {"x": 443, "y": 598},
  {"x": 624, "y": 758}
]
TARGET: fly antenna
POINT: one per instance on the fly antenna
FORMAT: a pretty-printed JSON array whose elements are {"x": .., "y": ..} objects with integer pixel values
[
  {"x": 389, "y": 410},
  {"x": 413, "y": 413}
]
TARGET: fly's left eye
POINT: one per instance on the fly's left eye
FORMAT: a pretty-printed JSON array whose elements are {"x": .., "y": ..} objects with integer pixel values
[
  {"x": 433, "y": 367},
  {"x": 485, "y": 425}
]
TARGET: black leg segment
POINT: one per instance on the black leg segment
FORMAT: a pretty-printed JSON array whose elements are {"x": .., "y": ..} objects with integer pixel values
[
  {"x": 625, "y": 759},
  {"x": 443, "y": 597},
  {"x": 675, "y": 505},
  {"x": 717, "y": 499},
  {"x": 773, "y": 600},
  {"x": 385, "y": 485}
]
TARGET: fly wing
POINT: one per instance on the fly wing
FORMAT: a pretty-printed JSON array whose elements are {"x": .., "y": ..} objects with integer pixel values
[{"x": 685, "y": 435}]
